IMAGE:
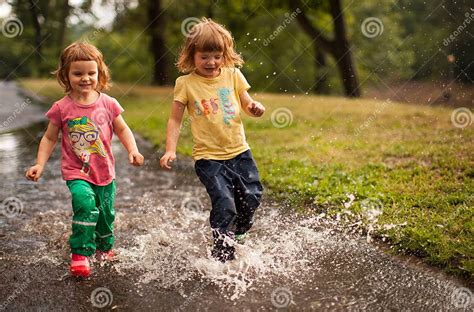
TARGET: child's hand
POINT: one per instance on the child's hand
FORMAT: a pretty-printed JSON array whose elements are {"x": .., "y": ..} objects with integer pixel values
[
  {"x": 256, "y": 109},
  {"x": 34, "y": 173},
  {"x": 135, "y": 158},
  {"x": 167, "y": 159}
]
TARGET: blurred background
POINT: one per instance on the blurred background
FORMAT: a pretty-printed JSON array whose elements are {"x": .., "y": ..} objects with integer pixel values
[{"x": 406, "y": 50}]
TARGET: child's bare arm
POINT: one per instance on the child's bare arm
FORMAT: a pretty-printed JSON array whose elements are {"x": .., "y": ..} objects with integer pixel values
[
  {"x": 251, "y": 107},
  {"x": 46, "y": 147},
  {"x": 172, "y": 133},
  {"x": 125, "y": 136}
]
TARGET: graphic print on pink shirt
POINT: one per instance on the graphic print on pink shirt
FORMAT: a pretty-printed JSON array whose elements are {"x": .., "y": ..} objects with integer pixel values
[{"x": 85, "y": 141}]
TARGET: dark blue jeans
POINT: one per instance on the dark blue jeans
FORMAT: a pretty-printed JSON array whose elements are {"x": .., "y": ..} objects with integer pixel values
[{"x": 235, "y": 191}]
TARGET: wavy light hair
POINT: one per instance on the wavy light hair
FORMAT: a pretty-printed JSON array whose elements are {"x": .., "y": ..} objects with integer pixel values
[
  {"x": 208, "y": 36},
  {"x": 81, "y": 51}
]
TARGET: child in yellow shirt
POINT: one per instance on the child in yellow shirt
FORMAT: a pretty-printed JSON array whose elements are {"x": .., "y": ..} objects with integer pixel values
[{"x": 214, "y": 92}]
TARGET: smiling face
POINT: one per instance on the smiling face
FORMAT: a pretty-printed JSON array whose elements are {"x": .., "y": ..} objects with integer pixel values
[
  {"x": 82, "y": 140},
  {"x": 83, "y": 76},
  {"x": 208, "y": 64}
]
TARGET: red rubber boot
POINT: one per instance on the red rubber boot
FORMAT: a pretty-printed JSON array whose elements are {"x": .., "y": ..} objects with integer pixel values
[{"x": 80, "y": 265}]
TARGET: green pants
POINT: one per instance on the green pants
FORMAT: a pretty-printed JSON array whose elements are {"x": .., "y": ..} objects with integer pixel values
[{"x": 93, "y": 219}]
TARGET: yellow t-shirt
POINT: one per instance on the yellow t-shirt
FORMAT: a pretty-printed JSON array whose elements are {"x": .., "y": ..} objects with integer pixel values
[{"x": 214, "y": 109}]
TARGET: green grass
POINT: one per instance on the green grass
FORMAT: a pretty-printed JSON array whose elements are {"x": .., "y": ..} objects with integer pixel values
[{"x": 408, "y": 158}]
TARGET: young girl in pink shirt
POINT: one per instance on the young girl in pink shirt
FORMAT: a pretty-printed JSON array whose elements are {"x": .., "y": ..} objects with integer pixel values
[{"x": 87, "y": 119}]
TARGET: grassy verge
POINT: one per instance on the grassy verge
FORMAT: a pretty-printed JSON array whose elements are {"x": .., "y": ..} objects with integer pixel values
[{"x": 407, "y": 161}]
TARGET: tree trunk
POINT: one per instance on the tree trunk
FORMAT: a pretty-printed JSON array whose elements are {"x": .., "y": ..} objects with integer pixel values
[
  {"x": 37, "y": 27},
  {"x": 342, "y": 51},
  {"x": 63, "y": 25},
  {"x": 157, "y": 43},
  {"x": 337, "y": 48},
  {"x": 347, "y": 71},
  {"x": 321, "y": 85}
]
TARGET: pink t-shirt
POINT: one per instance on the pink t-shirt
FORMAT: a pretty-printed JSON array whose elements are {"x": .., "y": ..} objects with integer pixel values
[{"x": 87, "y": 132}]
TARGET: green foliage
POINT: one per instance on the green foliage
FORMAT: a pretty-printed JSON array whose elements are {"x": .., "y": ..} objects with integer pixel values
[
  {"x": 34, "y": 51},
  {"x": 279, "y": 57},
  {"x": 126, "y": 57},
  {"x": 385, "y": 55},
  {"x": 12, "y": 54}
]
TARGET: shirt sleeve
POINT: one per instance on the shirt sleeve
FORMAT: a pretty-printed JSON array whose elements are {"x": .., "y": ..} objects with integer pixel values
[
  {"x": 54, "y": 115},
  {"x": 241, "y": 83},
  {"x": 115, "y": 108},
  {"x": 180, "y": 93}
]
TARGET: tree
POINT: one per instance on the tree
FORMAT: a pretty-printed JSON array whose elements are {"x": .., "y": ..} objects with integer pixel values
[
  {"x": 45, "y": 24},
  {"x": 65, "y": 12},
  {"x": 156, "y": 23},
  {"x": 338, "y": 48}
]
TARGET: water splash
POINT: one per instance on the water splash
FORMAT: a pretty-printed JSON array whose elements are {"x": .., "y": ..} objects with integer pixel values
[{"x": 177, "y": 249}]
